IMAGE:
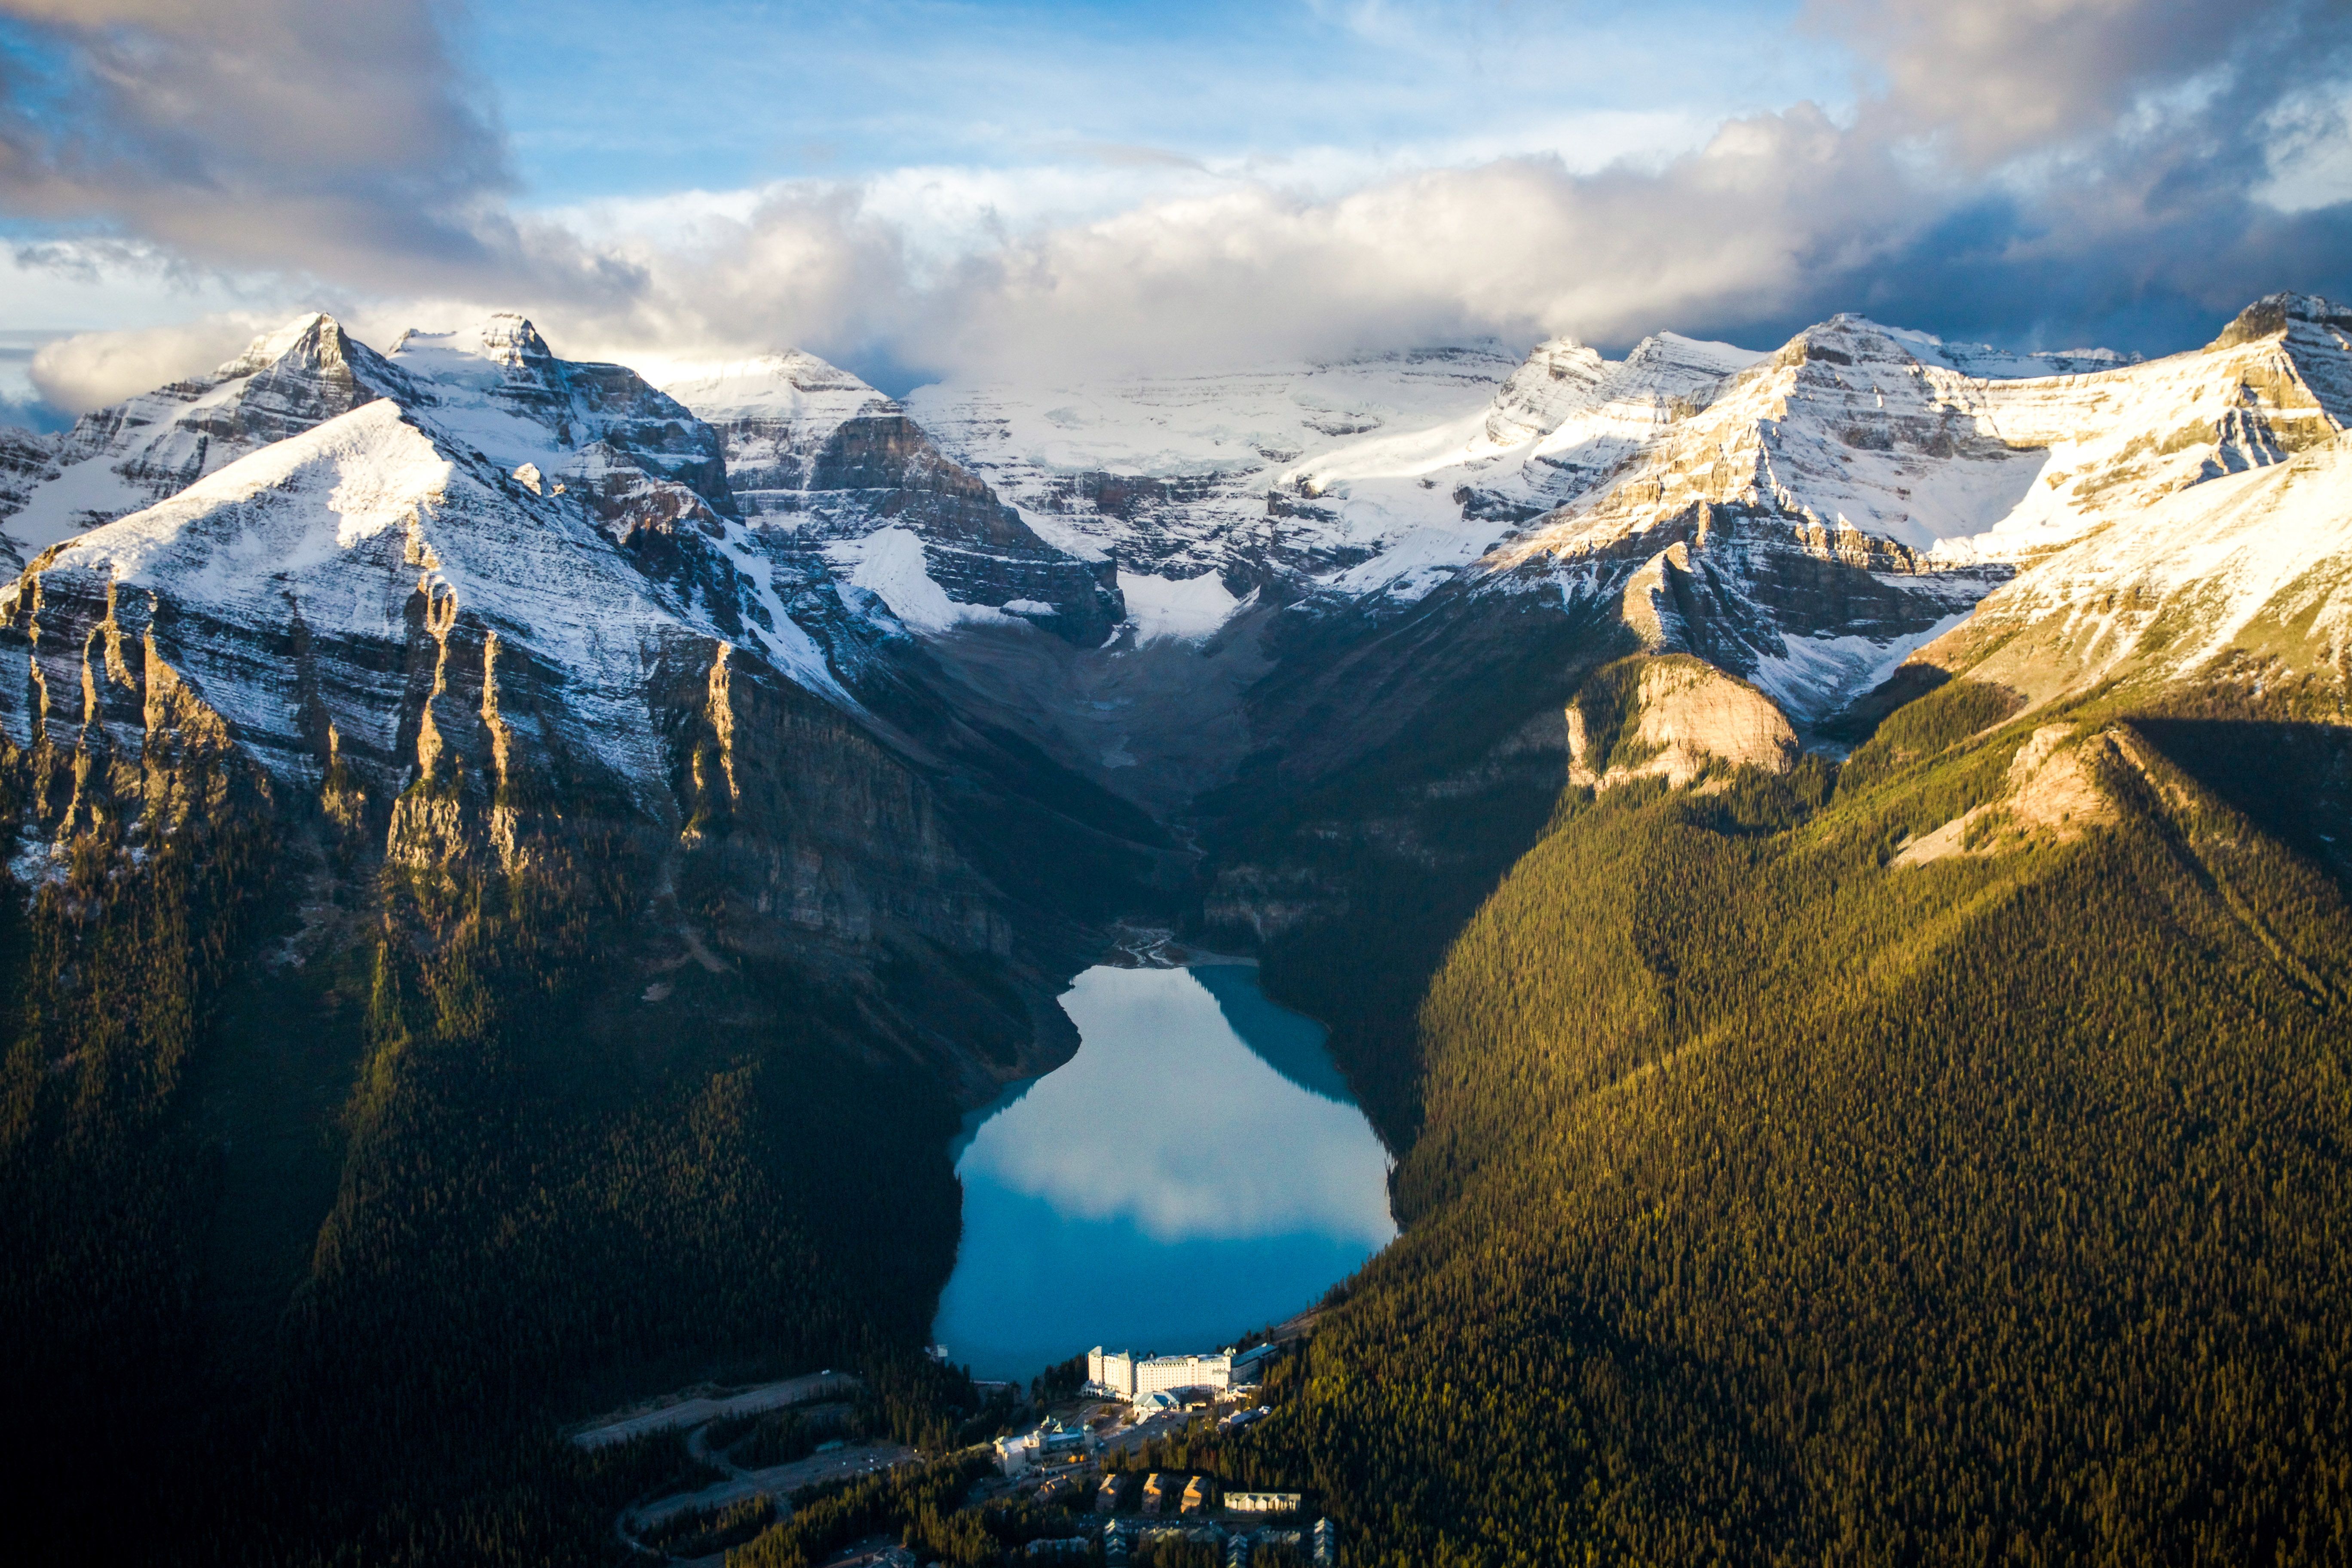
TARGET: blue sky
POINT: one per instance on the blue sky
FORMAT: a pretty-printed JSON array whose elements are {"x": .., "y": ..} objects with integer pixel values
[
  {"x": 732, "y": 95},
  {"x": 927, "y": 189}
]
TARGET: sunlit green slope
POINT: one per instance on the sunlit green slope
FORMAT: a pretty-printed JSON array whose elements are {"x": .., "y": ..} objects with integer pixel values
[{"x": 1784, "y": 1197}]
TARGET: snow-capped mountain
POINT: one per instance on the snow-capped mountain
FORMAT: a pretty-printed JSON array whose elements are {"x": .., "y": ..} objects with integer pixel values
[
  {"x": 2243, "y": 580},
  {"x": 2277, "y": 381},
  {"x": 498, "y": 604},
  {"x": 118, "y": 460},
  {"x": 1803, "y": 519},
  {"x": 1175, "y": 478},
  {"x": 1393, "y": 474},
  {"x": 600, "y": 428},
  {"x": 822, "y": 465},
  {"x": 293, "y": 588},
  {"x": 2200, "y": 508},
  {"x": 1840, "y": 503}
]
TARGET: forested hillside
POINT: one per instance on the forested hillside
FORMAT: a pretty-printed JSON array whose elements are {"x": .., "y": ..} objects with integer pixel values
[
  {"x": 346, "y": 1155},
  {"x": 1778, "y": 1201}
]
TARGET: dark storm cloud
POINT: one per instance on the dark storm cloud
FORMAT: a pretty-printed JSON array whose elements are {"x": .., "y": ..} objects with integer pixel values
[{"x": 2094, "y": 170}]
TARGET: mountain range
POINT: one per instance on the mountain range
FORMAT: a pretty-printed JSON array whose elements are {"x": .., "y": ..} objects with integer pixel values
[{"x": 491, "y": 832}]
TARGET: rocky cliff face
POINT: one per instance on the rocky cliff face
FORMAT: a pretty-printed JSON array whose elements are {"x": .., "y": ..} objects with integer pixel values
[
  {"x": 500, "y": 618},
  {"x": 1842, "y": 502},
  {"x": 821, "y": 465},
  {"x": 1686, "y": 716},
  {"x": 364, "y": 611},
  {"x": 26, "y": 462}
]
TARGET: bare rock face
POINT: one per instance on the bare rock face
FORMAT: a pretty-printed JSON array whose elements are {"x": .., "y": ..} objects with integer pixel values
[
  {"x": 463, "y": 667},
  {"x": 2315, "y": 334},
  {"x": 819, "y": 463},
  {"x": 2053, "y": 794},
  {"x": 28, "y": 461},
  {"x": 1686, "y": 716}
]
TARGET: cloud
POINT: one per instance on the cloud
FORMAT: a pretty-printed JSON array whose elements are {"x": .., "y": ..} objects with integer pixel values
[
  {"x": 2037, "y": 171},
  {"x": 2040, "y": 172},
  {"x": 1995, "y": 78},
  {"x": 332, "y": 136},
  {"x": 90, "y": 370},
  {"x": 2137, "y": 232}
]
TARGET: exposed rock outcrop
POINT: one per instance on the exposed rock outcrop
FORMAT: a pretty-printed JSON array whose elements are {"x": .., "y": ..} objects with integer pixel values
[
  {"x": 468, "y": 670},
  {"x": 1685, "y": 717},
  {"x": 819, "y": 463},
  {"x": 2052, "y": 795},
  {"x": 28, "y": 461}
]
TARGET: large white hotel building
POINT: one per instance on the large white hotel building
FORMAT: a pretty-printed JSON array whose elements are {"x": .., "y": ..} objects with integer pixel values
[{"x": 1120, "y": 1373}]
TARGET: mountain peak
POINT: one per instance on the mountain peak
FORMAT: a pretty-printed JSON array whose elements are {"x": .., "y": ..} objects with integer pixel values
[
  {"x": 314, "y": 338},
  {"x": 1847, "y": 339},
  {"x": 502, "y": 338},
  {"x": 2275, "y": 313},
  {"x": 1664, "y": 350},
  {"x": 1981, "y": 360},
  {"x": 770, "y": 385}
]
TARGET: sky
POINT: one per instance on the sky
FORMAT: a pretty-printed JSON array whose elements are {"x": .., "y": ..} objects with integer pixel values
[{"x": 922, "y": 191}]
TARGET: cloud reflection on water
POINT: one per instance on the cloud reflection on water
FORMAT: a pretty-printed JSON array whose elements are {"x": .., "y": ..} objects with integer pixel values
[{"x": 1167, "y": 1120}]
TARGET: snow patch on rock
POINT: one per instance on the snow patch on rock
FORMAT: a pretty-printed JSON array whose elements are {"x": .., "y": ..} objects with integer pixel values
[
  {"x": 1188, "y": 607},
  {"x": 890, "y": 564}
]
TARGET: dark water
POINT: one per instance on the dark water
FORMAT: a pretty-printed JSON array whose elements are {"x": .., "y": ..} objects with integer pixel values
[{"x": 1197, "y": 1170}]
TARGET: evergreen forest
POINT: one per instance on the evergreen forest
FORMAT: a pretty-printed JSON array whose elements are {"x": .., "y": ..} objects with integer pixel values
[
  {"x": 1771, "y": 1194},
  {"x": 1770, "y": 1201}
]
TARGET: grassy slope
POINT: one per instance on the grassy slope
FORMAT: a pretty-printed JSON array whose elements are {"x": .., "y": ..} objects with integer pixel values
[{"x": 1776, "y": 1206}]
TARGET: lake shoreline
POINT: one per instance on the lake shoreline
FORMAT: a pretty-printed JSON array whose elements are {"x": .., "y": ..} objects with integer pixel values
[{"x": 1195, "y": 1173}]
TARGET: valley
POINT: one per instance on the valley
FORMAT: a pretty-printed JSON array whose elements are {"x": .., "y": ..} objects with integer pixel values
[{"x": 1823, "y": 866}]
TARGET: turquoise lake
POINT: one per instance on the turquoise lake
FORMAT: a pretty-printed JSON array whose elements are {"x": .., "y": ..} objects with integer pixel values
[{"x": 1197, "y": 1170}]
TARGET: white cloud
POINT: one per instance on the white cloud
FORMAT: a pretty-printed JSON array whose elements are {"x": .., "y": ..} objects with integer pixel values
[
  {"x": 1226, "y": 268},
  {"x": 2024, "y": 164},
  {"x": 2309, "y": 154},
  {"x": 90, "y": 370}
]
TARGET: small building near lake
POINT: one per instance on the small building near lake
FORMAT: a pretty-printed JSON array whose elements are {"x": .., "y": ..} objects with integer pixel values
[{"x": 1263, "y": 1502}]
